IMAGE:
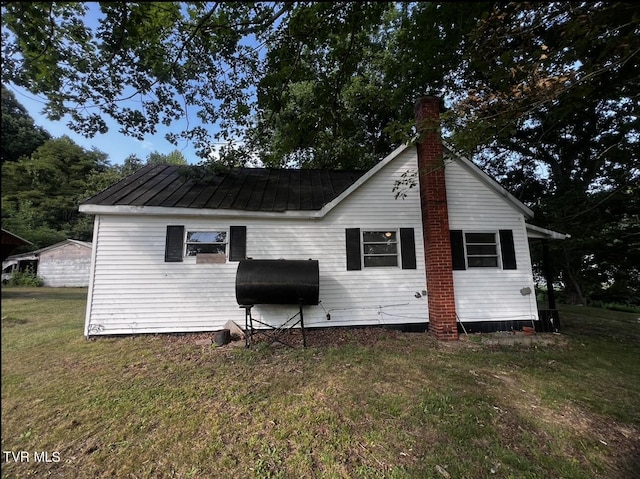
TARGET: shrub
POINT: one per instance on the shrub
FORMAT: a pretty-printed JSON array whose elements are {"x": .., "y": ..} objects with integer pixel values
[
  {"x": 25, "y": 278},
  {"x": 623, "y": 307}
]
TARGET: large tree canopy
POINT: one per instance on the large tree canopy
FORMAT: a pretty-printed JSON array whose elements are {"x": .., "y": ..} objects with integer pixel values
[
  {"x": 553, "y": 99},
  {"x": 342, "y": 93},
  {"x": 141, "y": 63},
  {"x": 247, "y": 70},
  {"x": 20, "y": 135},
  {"x": 544, "y": 96},
  {"x": 315, "y": 82}
]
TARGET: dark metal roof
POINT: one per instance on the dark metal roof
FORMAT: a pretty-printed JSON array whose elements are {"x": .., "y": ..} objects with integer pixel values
[{"x": 251, "y": 189}]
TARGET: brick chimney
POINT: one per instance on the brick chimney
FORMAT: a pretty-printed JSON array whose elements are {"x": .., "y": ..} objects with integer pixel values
[{"x": 435, "y": 221}]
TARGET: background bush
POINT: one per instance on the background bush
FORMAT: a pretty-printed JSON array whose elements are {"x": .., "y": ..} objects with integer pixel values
[{"x": 25, "y": 278}]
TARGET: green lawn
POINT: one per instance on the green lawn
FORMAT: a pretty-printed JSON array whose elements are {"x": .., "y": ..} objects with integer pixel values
[{"x": 375, "y": 404}]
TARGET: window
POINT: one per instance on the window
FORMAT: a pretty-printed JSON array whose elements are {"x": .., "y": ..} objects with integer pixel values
[
  {"x": 212, "y": 242},
  {"x": 482, "y": 250},
  {"x": 206, "y": 246},
  {"x": 380, "y": 248}
]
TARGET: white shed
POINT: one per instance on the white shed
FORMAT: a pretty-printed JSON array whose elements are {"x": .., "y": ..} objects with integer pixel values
[{"x": 64, "y": 264}]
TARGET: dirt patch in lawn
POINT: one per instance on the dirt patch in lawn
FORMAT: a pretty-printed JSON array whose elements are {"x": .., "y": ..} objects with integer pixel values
[
  {"x": 315, "y": 337},
  {"x": 366, "y": 336}
]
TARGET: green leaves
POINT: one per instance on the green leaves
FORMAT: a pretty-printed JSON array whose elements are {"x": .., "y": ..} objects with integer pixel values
[
  {"x": 41, "y": 193},
  {"x": 20, "y": 136},
  {"x": 167, "y": 56}
]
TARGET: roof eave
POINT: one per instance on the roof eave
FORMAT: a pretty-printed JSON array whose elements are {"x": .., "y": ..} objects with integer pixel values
[
  {"x": 201, "y": 212},
  {"x": 13, "y": 235},
  {"x": 537, "y": 232},
  {"x": 36, "y": 253}
]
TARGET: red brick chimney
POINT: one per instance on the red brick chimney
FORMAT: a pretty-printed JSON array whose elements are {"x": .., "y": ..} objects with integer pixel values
[{"x": 435, "y": 221}]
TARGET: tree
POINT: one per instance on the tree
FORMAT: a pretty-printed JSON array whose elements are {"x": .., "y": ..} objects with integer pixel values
[
  {"x": 293, "y": 79},
  {"x": 340, "y": 92},
  {"x": 317, "y": 96},
  {"x": 131, "y": 164},
  {"x": 553, "y": 112},
  {"x": 171, "y": 57},
  {"x": 173, "y": 158},
  {"x": 525, "y": 57},
  {"x": 41, "y": 193},
  {"x": 20, "y": 135}
]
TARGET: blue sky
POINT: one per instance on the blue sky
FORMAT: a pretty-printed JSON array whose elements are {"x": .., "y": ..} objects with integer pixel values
[{"x": 113, "y": 143}]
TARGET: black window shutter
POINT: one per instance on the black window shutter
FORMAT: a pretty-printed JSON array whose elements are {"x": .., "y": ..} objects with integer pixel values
[
  {"x": 237, "y": 243},
  {"x": 508, "y": 250},
  {"x": 457, "y": 250},
  {"x": 408, "y": 248},
  {"x": 354, "y": 261},
  {"x": 173, "y": 245}
]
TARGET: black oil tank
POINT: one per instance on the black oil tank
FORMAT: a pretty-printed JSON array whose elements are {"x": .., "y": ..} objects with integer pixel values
[{"x": 277, "y": 281}]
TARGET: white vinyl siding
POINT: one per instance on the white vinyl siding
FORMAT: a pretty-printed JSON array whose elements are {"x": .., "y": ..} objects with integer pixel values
[
  {"x": 488, "y": 294},
  {"x": 135, "y": 291}
]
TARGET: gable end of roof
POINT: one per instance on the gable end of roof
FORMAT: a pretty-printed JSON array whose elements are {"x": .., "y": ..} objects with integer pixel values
[{"x": 488, "y": 181}]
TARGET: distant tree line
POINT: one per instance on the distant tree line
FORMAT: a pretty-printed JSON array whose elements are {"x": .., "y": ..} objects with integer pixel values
[{"x": 44, "y": 179}]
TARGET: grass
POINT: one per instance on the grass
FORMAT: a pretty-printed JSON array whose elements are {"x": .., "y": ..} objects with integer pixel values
[
  {"x": 625, "y": 307},
  {"x": 384, "y": 405}
]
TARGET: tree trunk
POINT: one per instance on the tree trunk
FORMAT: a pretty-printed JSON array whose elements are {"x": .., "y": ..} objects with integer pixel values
[{"x": 572, "y": 287}]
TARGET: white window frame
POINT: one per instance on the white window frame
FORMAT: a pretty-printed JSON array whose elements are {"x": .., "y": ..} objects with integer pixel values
[
  {"x": 496, "y": 243},
  {"x": 364, "y": 254},
  {"x": 186, "y": 242}
]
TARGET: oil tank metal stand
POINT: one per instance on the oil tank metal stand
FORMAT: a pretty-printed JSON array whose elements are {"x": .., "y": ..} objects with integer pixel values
[
  {"x": 273, "y": 333},
  {"x": 279, "y": 281}
]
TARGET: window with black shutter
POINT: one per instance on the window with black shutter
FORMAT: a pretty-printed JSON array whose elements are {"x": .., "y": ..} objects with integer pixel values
[
  {"x": 479, "y": 249},
  {"x": 482, "y": 250},
  {"x": 207, "y": 246},
  {"x": 380, "y": 248},
  {"x": 206, "y": 242}
]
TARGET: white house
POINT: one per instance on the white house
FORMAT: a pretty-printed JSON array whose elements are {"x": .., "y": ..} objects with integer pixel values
[
  {"x": 166, "y": 247},
  {"x": 64, "y": 264}
]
